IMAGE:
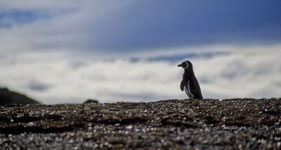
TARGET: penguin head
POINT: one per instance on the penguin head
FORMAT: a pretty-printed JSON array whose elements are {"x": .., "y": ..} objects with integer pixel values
[{"x": 186, "y": 65}]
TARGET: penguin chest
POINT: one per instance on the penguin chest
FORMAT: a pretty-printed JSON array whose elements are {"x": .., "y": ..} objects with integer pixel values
[{"x": 188, "y": 91}]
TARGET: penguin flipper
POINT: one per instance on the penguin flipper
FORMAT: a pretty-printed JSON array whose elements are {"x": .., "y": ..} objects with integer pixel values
[{"x": 182, "y": 85}]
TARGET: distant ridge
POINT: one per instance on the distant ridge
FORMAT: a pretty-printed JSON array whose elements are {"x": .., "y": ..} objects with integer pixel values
[{"x": 8, "y": 97}]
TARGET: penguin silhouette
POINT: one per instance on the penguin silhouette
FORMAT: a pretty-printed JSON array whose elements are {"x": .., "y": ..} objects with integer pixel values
[{"x": 189, "y": 83}]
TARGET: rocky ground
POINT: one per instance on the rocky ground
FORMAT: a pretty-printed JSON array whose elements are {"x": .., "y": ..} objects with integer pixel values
[{"x": 172, "y": 124}]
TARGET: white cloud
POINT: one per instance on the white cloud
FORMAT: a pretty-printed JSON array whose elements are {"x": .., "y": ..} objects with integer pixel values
[
  {"x": 63, "y": 24},
  {"x": 247, "y": 73},
  {"x": 67, "y": 81},
  {"x": 43, "y": 4},
  {"x": 59, "y": 78}
]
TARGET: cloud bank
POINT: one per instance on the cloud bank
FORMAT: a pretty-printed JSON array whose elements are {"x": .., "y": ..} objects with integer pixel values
[{"x": 251, "y": 72}]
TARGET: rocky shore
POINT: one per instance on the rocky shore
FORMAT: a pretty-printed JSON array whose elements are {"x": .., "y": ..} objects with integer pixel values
[{"x": 170, "y": 124}]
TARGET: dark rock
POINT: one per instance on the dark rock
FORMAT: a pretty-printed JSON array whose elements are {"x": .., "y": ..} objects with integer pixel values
[
  {"x": 173, "y": 124},
  {"x": 91, "y": 101},
  {"x": 8, "y": 97}
]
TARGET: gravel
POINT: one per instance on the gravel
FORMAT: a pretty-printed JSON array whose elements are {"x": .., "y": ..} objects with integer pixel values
[{"x": 170, "y": 124}]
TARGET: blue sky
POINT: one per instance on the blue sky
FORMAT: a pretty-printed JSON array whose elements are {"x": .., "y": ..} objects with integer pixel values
[
  {"x": 135, "y": 41},
  {"x": 154, "y": 24},
  {"x": 140, "y": 25}
]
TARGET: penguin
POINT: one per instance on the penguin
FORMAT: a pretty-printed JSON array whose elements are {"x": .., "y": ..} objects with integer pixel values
[{"x": 189, "y": 83}]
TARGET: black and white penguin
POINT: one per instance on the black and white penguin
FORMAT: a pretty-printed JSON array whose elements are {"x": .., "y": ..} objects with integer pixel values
[{"x": 189, "y": 83}]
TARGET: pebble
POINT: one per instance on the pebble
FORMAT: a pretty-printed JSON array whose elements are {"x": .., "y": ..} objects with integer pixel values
[{"x": 173, "y": 124}]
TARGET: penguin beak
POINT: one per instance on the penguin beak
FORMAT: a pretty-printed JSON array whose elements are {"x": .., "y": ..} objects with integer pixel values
[{"x": 180, "y": 65}]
